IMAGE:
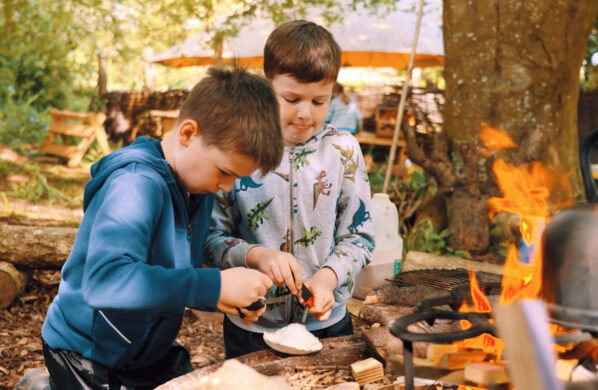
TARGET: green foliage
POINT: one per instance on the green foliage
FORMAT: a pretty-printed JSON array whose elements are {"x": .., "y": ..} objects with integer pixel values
[
  {"x": 9, "y": 168},
  {"x": 37, "y": 190},
  {"x": 498, "y": 237},
  {"x": 418, "y": 182},
  {"x": 424, "y": 238},
  {"x": 22, "y": 123}
]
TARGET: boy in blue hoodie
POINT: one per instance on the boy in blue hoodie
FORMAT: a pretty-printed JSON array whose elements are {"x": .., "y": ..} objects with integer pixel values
[
  {"x": 136, "y": 263},
  {"x": 307, "y": 221}
]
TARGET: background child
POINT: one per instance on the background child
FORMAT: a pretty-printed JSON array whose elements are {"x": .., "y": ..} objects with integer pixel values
[
  {"x": 343, "y": 113},
  {"x": 137, "y": 259},
  {"x": 308, "y": 219}
]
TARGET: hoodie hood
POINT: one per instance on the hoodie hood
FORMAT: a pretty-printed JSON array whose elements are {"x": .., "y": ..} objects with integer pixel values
[{"x": 143, "y": 150}]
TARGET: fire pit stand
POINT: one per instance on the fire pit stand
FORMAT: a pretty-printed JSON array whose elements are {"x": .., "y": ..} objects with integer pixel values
[{"x": 479, "y": 321}]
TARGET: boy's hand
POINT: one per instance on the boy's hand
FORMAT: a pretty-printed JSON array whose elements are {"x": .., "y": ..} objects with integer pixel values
[
  {"x": 281, "y": 267},
  {"x": 249, "y": 316},
  {"x": 322, "y": 285},
  {"x": 240, "y": 287}
]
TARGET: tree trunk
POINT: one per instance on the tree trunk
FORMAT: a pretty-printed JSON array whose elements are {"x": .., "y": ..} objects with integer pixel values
[
  {"x": 514, "y": 65},
  {"x": 36, "y": 247}
]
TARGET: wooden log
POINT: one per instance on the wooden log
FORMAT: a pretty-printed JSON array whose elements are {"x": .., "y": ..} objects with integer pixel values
[
  {"x": 336, "y": 351},
  {"x": 36, "y": 247},
  {"x": 382, "y": 314},
  {"x": 12, "y": 283},
  {"x": 392, "y": 294},
  {"x": 421, "y": 260}
]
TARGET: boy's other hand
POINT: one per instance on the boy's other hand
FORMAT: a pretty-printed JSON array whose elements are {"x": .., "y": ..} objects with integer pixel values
[
  {"x": 322, "y": 285},
  {"x": 281, "y": 267},
  {"x": 240, "y": 287}
]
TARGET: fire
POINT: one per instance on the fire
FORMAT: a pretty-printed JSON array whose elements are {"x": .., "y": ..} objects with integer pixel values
[
  {"x": 494, "y": 139},
  {"x": 525, "y": 191},
  {"x": 486, "y": 342}
]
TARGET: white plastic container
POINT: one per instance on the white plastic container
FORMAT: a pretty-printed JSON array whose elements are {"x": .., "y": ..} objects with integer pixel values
[{"x": 389, "y": 245}]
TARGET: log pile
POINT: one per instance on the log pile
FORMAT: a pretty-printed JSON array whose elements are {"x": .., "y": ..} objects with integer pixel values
[{"x": 128, "y": 112}]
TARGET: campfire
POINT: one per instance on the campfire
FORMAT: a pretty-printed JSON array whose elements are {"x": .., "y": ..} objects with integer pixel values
[{"x": 542, "y": 257}]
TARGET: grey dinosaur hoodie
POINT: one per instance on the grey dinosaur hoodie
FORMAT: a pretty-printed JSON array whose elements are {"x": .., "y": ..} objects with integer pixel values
[{"x": 315, "y": 204}]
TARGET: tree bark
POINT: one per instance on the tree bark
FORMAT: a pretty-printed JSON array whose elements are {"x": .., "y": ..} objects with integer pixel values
[
  {"x": 36, "y": 247},
  {"x": 514, "y": 65}
]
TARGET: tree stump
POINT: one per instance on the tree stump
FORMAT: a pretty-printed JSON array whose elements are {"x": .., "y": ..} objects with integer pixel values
[{"x": 12, "y": 283}]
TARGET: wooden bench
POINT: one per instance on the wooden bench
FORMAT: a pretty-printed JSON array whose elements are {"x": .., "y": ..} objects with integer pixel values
[{"x": 87, "y": 126}]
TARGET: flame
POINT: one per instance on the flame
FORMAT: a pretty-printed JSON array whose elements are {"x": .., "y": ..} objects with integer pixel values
[
  {"x": 525, "y": 192},
  {"x": 494, "y": 139},
  {"x": 486, "y": 342}
]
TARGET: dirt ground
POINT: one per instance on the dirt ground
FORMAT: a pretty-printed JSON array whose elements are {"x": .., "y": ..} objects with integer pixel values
[{"x": 20, "y": 331}]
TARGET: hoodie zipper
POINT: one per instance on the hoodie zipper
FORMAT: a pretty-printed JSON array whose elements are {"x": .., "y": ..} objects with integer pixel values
[{"x": 291, "y": 238}]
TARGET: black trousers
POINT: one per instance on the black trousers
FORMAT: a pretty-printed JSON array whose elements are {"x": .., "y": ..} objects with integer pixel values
[
  {"x": 69, "y": 370},
  {"x": 238, "y": 341}
]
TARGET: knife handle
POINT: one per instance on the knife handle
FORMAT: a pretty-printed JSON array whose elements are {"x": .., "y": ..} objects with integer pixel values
[{"x": 254, "y": 306}]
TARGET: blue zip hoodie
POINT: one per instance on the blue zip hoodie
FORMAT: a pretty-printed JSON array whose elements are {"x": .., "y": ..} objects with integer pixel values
[{"x": 136, "y": 262}]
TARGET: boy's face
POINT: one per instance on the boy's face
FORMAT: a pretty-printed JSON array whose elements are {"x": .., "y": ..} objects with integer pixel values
[
  {"x": 206, "y": 168},
  {"x": 303, "y": 107}
]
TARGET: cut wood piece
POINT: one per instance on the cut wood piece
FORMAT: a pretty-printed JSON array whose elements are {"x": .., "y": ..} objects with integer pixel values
[
  {"x": 458, "y": 360},
  {"x": 12, "y": 283},
  {"x": 564, "y": 368},
  {"x": 435, "y": 351},
  {"x": 421, "y": 260},
  {"x": 36, "y": 247},
  {"x": 367, "y": 371},
  {"x": 486, "y": 374},
  {"x": 422, "y": 368}
]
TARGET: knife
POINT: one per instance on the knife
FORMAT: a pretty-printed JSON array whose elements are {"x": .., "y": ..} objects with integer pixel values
[{"x": 308, "y": 301}]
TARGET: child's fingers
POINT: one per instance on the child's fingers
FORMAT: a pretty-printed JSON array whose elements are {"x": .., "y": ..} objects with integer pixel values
[
  {"x": 225, "y": 308},
  {"x": 250, "y": 316},
  {"x": 289, "y": 280},
  {"x": 277, "y": 277},
  {"x": 297, "y": 275},
  {"x": 266, "y": 283},
  {"x": 325, "y": 316}
]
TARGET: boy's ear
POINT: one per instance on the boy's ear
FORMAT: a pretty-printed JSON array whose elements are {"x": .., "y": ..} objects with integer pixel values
[{"x": 187, "y": 130}]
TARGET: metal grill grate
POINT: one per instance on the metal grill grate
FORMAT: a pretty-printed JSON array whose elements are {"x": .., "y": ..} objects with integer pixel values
[{"x": 444, "y": 279}]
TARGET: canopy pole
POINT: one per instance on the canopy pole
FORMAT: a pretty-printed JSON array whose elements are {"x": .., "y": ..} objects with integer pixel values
[{"x": 395, "y": 136}]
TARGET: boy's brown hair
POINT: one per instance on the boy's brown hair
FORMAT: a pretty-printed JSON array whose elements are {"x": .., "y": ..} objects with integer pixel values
[
  {"x": 237, "y": 111},
  {"x": 303, "y": 49}
]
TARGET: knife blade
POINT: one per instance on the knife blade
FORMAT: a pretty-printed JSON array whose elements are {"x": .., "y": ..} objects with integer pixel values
[{"x": 261, "y": 302}]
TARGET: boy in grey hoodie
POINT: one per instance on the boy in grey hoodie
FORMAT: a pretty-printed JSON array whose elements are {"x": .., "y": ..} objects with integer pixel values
[{"x": 307, "y": 221}]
